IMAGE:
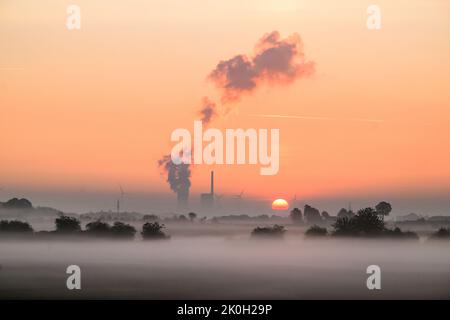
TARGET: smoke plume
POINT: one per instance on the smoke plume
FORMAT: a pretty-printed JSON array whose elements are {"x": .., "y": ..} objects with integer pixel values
[
  {"x": 275, "y": 61},
  {"x": 178, "y": 177},
  {"x": 207, "y": 111}
]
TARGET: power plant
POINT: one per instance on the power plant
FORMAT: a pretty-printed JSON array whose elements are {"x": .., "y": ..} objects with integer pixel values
[{"x": 207, "y": 199}]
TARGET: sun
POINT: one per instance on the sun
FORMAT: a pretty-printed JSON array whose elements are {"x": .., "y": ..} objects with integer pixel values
[{"x": 280, "y": 204}]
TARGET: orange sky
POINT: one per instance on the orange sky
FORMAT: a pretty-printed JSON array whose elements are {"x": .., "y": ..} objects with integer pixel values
[{"x": 96, "y": 107}]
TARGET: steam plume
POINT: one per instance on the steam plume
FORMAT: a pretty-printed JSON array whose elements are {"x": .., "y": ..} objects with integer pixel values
[
  {"x": 275, "y": 61},
  {"x": 208, "y": 111},
  {"x": 178, "y": 177}
]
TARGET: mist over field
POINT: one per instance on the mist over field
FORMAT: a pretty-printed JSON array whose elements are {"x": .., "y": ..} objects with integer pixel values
[
  {"x": 260, "y": 150},
  {"x": 80, "y": 202},
  {"x": 227, "y": 265}
]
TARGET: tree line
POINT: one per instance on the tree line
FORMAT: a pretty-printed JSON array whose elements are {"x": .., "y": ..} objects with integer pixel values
[
  {"x": 367, "y": 222},
  {"x": 66, "y": 225},
  {"x": 312, "y": 215}
]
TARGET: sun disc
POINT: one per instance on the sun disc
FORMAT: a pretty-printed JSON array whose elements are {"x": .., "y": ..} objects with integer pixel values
[{"x": 280, "y": 204}]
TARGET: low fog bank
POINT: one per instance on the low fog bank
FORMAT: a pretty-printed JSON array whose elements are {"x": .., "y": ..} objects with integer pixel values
[
  {"x": 85, "y": 200},
  {"x": 234, "y": 268},
  {"x": 229, "y": 229},
  {"x": 310, "y": 254}
]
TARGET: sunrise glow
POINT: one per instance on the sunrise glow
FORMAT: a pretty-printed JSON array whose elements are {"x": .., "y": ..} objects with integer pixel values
[{"x": 280, "y": 204}]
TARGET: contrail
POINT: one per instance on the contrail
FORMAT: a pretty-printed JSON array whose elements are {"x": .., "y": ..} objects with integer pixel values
[{"x": 314, "y": 118}]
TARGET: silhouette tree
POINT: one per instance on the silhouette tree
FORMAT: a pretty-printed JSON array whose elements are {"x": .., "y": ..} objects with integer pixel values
[
  {"x": 366, "y": 222},
  {"x": 153, "y": 230},
  {"x": 98, "y": 228},
  {"x": 15, "y": 226},
  {"x": 16, "y": 203},
  {"x": 399, "y": 234},
  {"x": 344, "y": 213},
  {"x": 312, "y": 215},
  {"x": 442, "y": 233},
  {"x": 344, "y": 226},
  {"x": 316, "y": 231},
  {"x": 276, "y": 231},
  {"x": 192, "y": 216},
  {"x": 296, "y": 215},
  {"x": 383, "y": 209},
  {"x": 65, "y": 224},
  {"x": 122, "y": 230},
  {"x": 325, "y": 215}
]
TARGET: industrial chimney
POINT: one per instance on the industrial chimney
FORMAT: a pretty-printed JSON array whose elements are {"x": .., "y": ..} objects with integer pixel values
[
  {"x": 207, "y": 199},
  {"x": 212, "y": 183}
]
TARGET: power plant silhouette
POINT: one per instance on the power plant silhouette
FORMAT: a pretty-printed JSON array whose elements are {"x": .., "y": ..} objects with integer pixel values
[{"x": 207, "y": 199}]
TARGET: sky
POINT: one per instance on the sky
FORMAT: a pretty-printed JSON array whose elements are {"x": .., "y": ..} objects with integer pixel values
[{"x": 86, "y": 110}]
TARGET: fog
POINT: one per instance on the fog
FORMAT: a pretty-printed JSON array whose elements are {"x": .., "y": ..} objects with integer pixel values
[
  {"x": 225, "y": 266},
  {"x": 165, "y": 203}
]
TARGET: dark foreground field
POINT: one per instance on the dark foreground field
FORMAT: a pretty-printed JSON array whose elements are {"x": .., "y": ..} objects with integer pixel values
[{"x": 224, "y": 268}]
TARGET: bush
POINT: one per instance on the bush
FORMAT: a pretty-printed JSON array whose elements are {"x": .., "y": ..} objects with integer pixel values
[
  {"x": 98, "y": 228},
  {"x": 192, "y": 216},
  {"x": 65, "y": 224},
  {"x": 122, "y": 230},
  {"x": 399, "y": 234},
  {"x": 153, "y": 230},
  {"x": 276, "y": 231},
  {"x": 316, "y": 231},
  {"x": 118, "y": 230},
  {"x": 15, "y": 226},
  {"x": 442, "y": 233}
]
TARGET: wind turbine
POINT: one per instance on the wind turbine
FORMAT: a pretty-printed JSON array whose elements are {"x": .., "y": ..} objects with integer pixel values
[
  {"x": 120, "y": 200},
  {"x": 239, "y": 196}
]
